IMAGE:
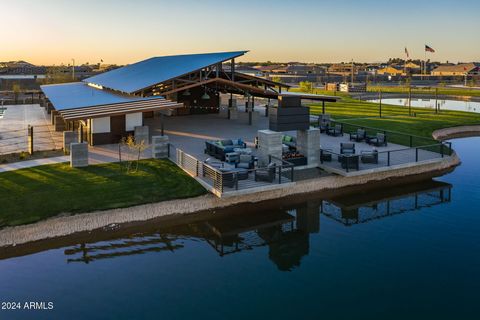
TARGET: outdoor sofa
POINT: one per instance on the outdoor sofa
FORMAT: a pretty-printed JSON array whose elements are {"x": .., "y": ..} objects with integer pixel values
[
  {"x": 266, "y": 174},
  {"x": 219, "y": 148}
]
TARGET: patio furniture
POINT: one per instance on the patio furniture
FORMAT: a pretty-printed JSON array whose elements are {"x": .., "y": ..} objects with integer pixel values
[
  {"x": 326, "y": 155},
  {"x": 369, "y": 156},
  {"x": 289, "y": 141},
  {"x": 335, "y": 131},
  {"x": 266, "y": 174},
  {"x": 219, "y": 148},
  {"x": 349, "y": 162},
  {"x": 245, "y": 162},
  {"x": 324, "y": 122},
  {"x": 360, "y": 135},
  {"x": 347, "y": 148},
  {"x": 243, "y": 151},
  {"x": 232, "y": 157},
  {"x": 379, "y": 140}
]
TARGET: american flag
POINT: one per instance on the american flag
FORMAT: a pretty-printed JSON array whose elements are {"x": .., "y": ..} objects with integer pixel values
[{"x": 429, "y": 49}]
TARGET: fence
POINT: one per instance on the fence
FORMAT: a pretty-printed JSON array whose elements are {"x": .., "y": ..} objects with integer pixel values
[
  {"x": 377, "y": 159},
  {"x": 222, "y": 177},
  {"x": 33, "y": 138}
]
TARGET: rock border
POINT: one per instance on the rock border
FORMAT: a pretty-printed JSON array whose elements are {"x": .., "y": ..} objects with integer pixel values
[
  {"x": 67, "y": 225},
  {"x": 456, "y": 132}
]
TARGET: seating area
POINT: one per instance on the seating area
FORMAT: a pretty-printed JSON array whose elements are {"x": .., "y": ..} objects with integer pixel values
[{"x": 220, "y": 148}]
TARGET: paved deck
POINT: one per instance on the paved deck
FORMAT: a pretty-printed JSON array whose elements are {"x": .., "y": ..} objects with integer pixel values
[{"x": 189, "y": 133}]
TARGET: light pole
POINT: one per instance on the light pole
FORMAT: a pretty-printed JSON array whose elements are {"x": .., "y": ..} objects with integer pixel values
[{"x": 73, "y": 69}]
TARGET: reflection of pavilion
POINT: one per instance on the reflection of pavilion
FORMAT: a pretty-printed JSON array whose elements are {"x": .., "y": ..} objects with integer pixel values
[
  {"x": 354, "y": 209},
  {"x": 286, "y": 232}
]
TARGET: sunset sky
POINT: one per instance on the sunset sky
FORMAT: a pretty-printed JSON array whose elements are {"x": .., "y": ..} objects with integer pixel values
[{"x": 55, "y": 31}]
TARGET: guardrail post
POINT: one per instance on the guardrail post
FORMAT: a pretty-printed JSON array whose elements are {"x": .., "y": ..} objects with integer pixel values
[
  {"x": 346, "y": 162},
  {"x": 321, "y": 156},
  {"x": 235, "y": 176},
  {"x": 411, "y": 141},
  {"x": 416, "y": 154},
  {"x": 441, "y": 149},
  {"x": 280, "y": 175},
  {"x": 388, "y": 158},
  {"x": 291, "y": 174}
]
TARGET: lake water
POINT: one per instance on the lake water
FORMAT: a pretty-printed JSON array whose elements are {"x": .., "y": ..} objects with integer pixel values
[
  {"x": 456, "y": 105},
  {"x": 410, "y": 252}
]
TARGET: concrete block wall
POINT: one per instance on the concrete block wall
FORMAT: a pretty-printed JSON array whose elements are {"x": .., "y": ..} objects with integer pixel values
[
  {"x": 78, "y": 155},
  {"x": 308, "y": 144},
  {"x": 269, "y": 143},
  {"x": 142, "y": 134},
  {"x": 160, "y": 147},
  {"x": 68, "y": 138}
]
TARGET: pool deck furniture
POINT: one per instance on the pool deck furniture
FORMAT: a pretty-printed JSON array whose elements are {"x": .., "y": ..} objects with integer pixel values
[
  {"x": 379, "y": 140},
  {"x": 358, "y": 136}
]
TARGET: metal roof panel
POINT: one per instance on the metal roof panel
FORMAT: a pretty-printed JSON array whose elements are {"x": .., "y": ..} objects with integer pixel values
[{"x": 137, "y": 76}]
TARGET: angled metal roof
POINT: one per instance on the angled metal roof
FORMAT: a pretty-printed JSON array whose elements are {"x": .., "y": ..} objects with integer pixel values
[
  {"x": 79, "y": 95},
  {"x": 135, "y": 77}
]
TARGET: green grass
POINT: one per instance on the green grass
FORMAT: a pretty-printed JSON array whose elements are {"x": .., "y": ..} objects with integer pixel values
[
  {"x": 394, "y": 118},
  {"x": 33, "y": 194}
]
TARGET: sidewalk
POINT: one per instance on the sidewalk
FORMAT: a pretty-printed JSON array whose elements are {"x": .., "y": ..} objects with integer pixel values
[{"x": 32, "y": 163}]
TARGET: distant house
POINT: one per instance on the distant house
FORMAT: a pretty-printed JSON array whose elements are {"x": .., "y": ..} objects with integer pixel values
[
  {"x": 457, "y": 70},
  {"x": 390, "y": 71},
  {"x": 305, "y": 69},
  {"x": 412, "y": 66}
]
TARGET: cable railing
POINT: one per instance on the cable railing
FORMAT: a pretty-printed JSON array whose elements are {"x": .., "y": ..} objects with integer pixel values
[
  {"x": 224, "y": 177},
  {"x": 367, "y": 160}
]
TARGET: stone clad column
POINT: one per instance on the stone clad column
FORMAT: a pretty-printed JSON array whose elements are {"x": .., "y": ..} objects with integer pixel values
[
  {"x": 232, "y": 109},
  {"x": 269, "y": 143},
  {"x": 141, "y": 134},
  {"x": 308, "y": 144},
  {"x": 68, "y": 138},
  {"x": 78, "y": 155},
  {"x": 159, "y": 147}
]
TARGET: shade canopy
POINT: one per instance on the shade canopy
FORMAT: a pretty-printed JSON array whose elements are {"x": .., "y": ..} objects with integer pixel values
[
  {"x": 78, "y": 100},
  {"x": 135, "y": 77}
]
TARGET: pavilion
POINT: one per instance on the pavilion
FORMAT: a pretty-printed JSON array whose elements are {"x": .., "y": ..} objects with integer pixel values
[{"x": 110, "y": 105}]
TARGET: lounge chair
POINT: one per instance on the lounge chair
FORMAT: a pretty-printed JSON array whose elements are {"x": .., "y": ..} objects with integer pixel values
[
  {"x": 245, "y": 162},
  {"x": 369, "y": 156},
  {"x": 360, "y": 135},
  {"x": 289, "y": 141},
  {"x": 379, "y": 140},
  {"x": 335, "y": 131},
  {"x": 347, "y": 148},
  {"x": 266, "y": 174}
]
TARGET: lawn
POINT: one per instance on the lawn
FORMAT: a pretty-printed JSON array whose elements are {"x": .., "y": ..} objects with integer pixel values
[
  {"x": 33, "y": 194},
  {"x": 394, "y": 118}
]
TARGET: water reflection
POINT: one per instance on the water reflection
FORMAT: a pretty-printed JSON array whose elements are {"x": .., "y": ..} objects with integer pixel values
[{"x": 286, "y": 231}]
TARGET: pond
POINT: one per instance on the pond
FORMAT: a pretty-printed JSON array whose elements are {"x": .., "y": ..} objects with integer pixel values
[
  {"x": 394, "y": 253},
  {"x": 455, "y": 105}
]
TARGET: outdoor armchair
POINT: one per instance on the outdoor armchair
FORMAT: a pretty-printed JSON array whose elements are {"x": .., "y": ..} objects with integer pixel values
[
  {"x": 335, "y": 131},
  {"x": 360, "y": 135}
]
